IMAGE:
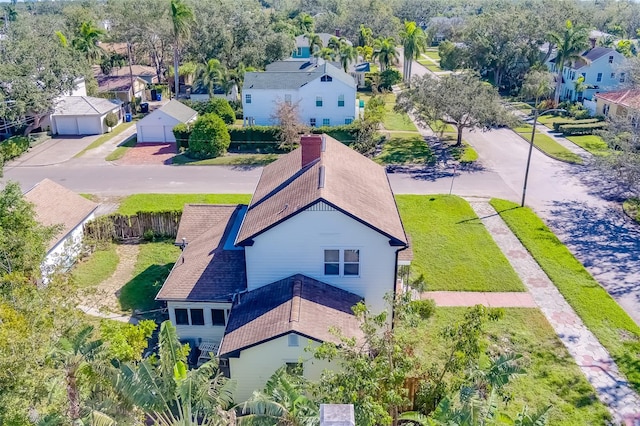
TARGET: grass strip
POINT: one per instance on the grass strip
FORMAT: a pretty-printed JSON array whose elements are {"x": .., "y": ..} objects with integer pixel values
[
  {"x": 170, "y": 202},
  {"x": 552, "y": 377},
  {"x": 632, "y": 208},
  {"x": 106, "y": 137},
  {"x": 247, "y": 160},
  {"x": 592, "y": 143},
  {"x": 122, "y": 149},
  {"x": 97, "y": 267},
  {"x": 548, "y": 145},
  {"x": 452, "y": 248},
  {"x": 433, "y": 54},
  {"x": 613, "y": 327}
]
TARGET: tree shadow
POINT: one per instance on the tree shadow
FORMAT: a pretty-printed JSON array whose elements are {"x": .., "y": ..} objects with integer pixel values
[{"x": 140, "y": 292}]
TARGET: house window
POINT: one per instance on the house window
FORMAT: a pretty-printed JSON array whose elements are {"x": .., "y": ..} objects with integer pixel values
[
  {"x": 294, "y": 340},
  {"x": 287, "y": 99},
  {"x": 182, "y": 316},
  {"x": 326, "y": 122},
  {"x": 332, "y": 262},
  {"x": 318, "y": 101},
  {"x": 352, "y": 262},
  {"x": 341, "y": 100},
  {"x": 584, "y": 76},
  {"x": 326, "y": 78},
  {"x": 622, "y": 76},
  {"x": 613, "y": 75},
  {"x": 611, "y": 59},
  {"x": 299, "y": 51},
  {"x": 217, "y": 317},
  {"x": 348, "y": 120},
  {"x": 247, "y": 98},
  {"x": 312, "y": 122},
  {"x": 197, "y": 317},
  {"x": 605, "y": 110},
  {"x": 599, "y": 77}
]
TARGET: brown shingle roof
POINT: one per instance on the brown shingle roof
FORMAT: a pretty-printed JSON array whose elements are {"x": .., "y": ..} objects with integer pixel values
[
  {"x": 57, "y": 205},
  {"x": 343, "y": 178},
  {"x": 206, "y": 271},
  {"x": 296, "y": 304},
  {"x": 628, "y": 98}
]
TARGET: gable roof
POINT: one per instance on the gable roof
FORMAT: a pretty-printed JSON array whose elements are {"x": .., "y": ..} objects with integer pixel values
[
  {"x": 296, "y": 304},
  {"x": 178, "y": 110},
  {"x": 590, "y": 56},
  {"x": 107, "y": 83},
  {"x": 84, "y": 105},
  {"x": 206, "y": 270},
  {"x": 293, "y": 74},
  {"x": 351, "y": 183},
  {"x": 628, "y": 98},
  {"x": 136, "y": 70},
  {"x": 57, "y": 205}
]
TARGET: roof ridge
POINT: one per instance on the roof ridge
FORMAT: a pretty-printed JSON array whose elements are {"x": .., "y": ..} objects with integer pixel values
[
  {"x": 283, "y": 185},
  {"x": 294, "y": 313}
]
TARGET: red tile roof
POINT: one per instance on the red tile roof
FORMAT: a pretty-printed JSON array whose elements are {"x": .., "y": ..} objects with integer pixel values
[
  {"x": 342, "y": 178},
  {"x": 628, "y": 98}
]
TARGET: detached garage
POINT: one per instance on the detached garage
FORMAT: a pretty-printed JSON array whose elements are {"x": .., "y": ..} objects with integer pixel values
[
  {"x": 82, "y": 115},
  {"x": 158, "y": 126}
]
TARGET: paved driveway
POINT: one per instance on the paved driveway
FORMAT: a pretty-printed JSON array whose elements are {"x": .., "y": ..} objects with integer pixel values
[
  {"x": 149, "y": 154},
  {"x": 54, "y": 151}
]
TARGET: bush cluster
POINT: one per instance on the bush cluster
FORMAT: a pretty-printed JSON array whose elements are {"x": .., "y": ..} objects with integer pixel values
[
  {"x": 218, "y": 106},
  {"x": 209, "y": 138},
  {"x": 581, "y": 129},
  {"x": 13, "y": 147},
  {"x": 182, "y": 132},
  {"x": 346, "y": 133},
  {"x": 557, "y": 124}
]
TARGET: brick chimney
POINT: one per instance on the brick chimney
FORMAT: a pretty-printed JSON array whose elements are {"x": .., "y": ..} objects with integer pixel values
[
  {"x": 338, "y": 32},
  {"x": 312, "y": 147},
  {"x": 592, "y": 41}
]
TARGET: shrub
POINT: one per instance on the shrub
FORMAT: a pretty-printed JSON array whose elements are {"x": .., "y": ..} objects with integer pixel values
[
  {"x": 557, "y": 124},
  {"x": 346, "y": 133},
  {"x": 13, "y": 147},
  {"x": 254, "y": 134},
  {"x": 209, "y": 138},
  {"x": 182, "y": 132},
  {"x": 389, "y": 77},
  {"x": 581, "y": 129},
  {"x": 424, "y": 308},
  {"x": 451, "y": 56},
  {"x": 111, "y": 120},
  {"x": 218, "y": 106}
]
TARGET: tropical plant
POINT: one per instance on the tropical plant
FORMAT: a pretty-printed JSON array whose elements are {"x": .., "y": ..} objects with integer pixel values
[
  {"x": 414, "y": 42},
  {"x": 326, "y": 53},
  {"x": 283, "y": 402},
  {"x": 569, "y": 45},
  {"x": 384, "y": 50},
  {"x": 347, "y": 54},
  {"x": 86, "y": 41},
  {"x": 211, "y": 74},
  {"x": 210, "y": 137},
  {"x": 305, "y": 23},
  {"x": 181, "y": 19},
  {"x": 335, "y": 43},
  {"x": 537, "y": 85},
  {"x": 315, "y": 42},
  {"x": 365, "y": 34},
  {"x": 170, "y": 393}
]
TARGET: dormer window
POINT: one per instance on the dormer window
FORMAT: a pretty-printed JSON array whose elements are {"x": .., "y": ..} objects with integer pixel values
[{"x": 326, "y": 78}]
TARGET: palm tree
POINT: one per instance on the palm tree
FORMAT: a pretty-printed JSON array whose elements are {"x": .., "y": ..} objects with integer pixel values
[
  {"x": 364, "y": 36},
  {"x": 171, "y": 394},
  {"x": 211, "y": 74},
  {"x": 384, "y": 50},
  {"x": 315, "y": 42},
  {"x": 326, "y": 53},
  {"x": 537, "y": 85},
  {"x": 348, "y": 54},
  {"x": 335, "y": 43},
  {"x": 305, "y": 23},
  {"x": 87, "y": 40},
  {"x": 414, "y": 42},
  {"x": 569, "y": 45},
  {"x": 181, "y": 19},
  {"x": 282, "y": 403}
]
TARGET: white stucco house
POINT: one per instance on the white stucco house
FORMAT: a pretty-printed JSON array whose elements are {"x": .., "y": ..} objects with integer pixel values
[
  {"x": 325, "y": 94},
  {"x": 256, "y": 285},
  {"x": 601, "y": 68},
  {"x": 56, "y": 205},
  {"x": 83, "y": 115},
  {"x": 158, "y": 125}
]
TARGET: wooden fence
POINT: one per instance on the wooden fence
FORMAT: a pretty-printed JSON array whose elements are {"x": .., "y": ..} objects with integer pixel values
[{"x": 135, "y": 227}]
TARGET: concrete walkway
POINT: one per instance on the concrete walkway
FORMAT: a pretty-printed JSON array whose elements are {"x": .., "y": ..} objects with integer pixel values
[
  {"x": 592, "y": 358},
  {"x": 489, "y": 299}
]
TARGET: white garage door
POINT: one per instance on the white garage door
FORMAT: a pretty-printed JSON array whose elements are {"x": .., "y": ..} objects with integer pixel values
[
  {"x": 151, "y": 134},
  {"x": 168, "y": 134},
  {"x": 66, "y": 125},
  {"x": 89, "y": 126}
]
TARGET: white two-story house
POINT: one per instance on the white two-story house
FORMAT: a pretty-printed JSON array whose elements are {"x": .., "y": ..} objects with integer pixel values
[
  {"x": 601, "y": 68},
  {"x": 325, "y": 94},
  {"x": 258, "y": 284}
]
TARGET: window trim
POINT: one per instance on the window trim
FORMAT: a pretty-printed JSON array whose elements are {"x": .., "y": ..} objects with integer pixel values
[
  {"x": 175, "y": 315},
  {"x": 191, "y": 316},
  {"x": 326, "y": 122},
  {"x": 341, "y": 262},
  {"x": 611, "y": 59},
  {"x": 340, "y": 100},
  {"x": 247, "y": 98},
  {"x": 319, "y": 101},
  {"x": 224, "y": 317},
  {"x": 312, "y": 122},
  {"x": 599, "y": 77}
]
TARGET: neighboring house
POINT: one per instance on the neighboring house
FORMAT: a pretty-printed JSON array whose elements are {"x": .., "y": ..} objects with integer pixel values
[
  {"x": 57, "y": 205},
  {"x": 119, "y": 87},
  {"x": 616, "y": 104},
  {"x": 200, "y": 93},
  {"x": 82, "y": 115},
  {"x": 302, "y": 50},
  {"x": 158, "y": 126},
  {"x": 601, "y": 69},
  {"x": 326, "y": 95},
  {"x": 255, "y": 285},
  {"x": 147, "y": 73}
]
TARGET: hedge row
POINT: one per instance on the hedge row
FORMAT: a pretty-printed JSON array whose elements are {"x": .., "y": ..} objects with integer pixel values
[
  {"x": 13, "y": 147},
  {"x": 581, "y": 129},
  {"x": 346, "y": 133},
  {"x": 557, "y": 124}
]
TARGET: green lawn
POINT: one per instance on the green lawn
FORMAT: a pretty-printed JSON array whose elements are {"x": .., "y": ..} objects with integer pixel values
[
  {"x": 592, "y": 143},
  {"x": 168, "y": 202},
  {"x": 617, "y": 332},
  {"x": 248, "y": 160},
  {"x": 405, "y": 148},
  {"x": 107, "y": 136},
  {"x": 440, "y": 126},
  {"x": 429, "y": 65},
  {"x": 552, "y": 377},
  {"x": 548, "y": 145},
  {"x": 451, "y": 246},
  {"x": 464, "y": 154},
  {"x": 395, "y": 120},
  {"x": 632, "y": 208},
  {"x": 153, "y": 265},
  {"x": 433, "y": 54},
  {"x": 96, "y": 268},
  {"x": 548, "y": 120},
  {"x": 122, "y": 149}
]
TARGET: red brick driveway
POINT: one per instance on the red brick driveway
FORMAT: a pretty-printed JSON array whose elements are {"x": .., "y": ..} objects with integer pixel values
[{"x": 149, "y": 153}]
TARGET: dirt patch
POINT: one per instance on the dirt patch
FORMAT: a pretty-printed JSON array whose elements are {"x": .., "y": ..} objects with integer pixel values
[
  {"x": 104, "y": 297},
  {"x": 149, "y": 154}
]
